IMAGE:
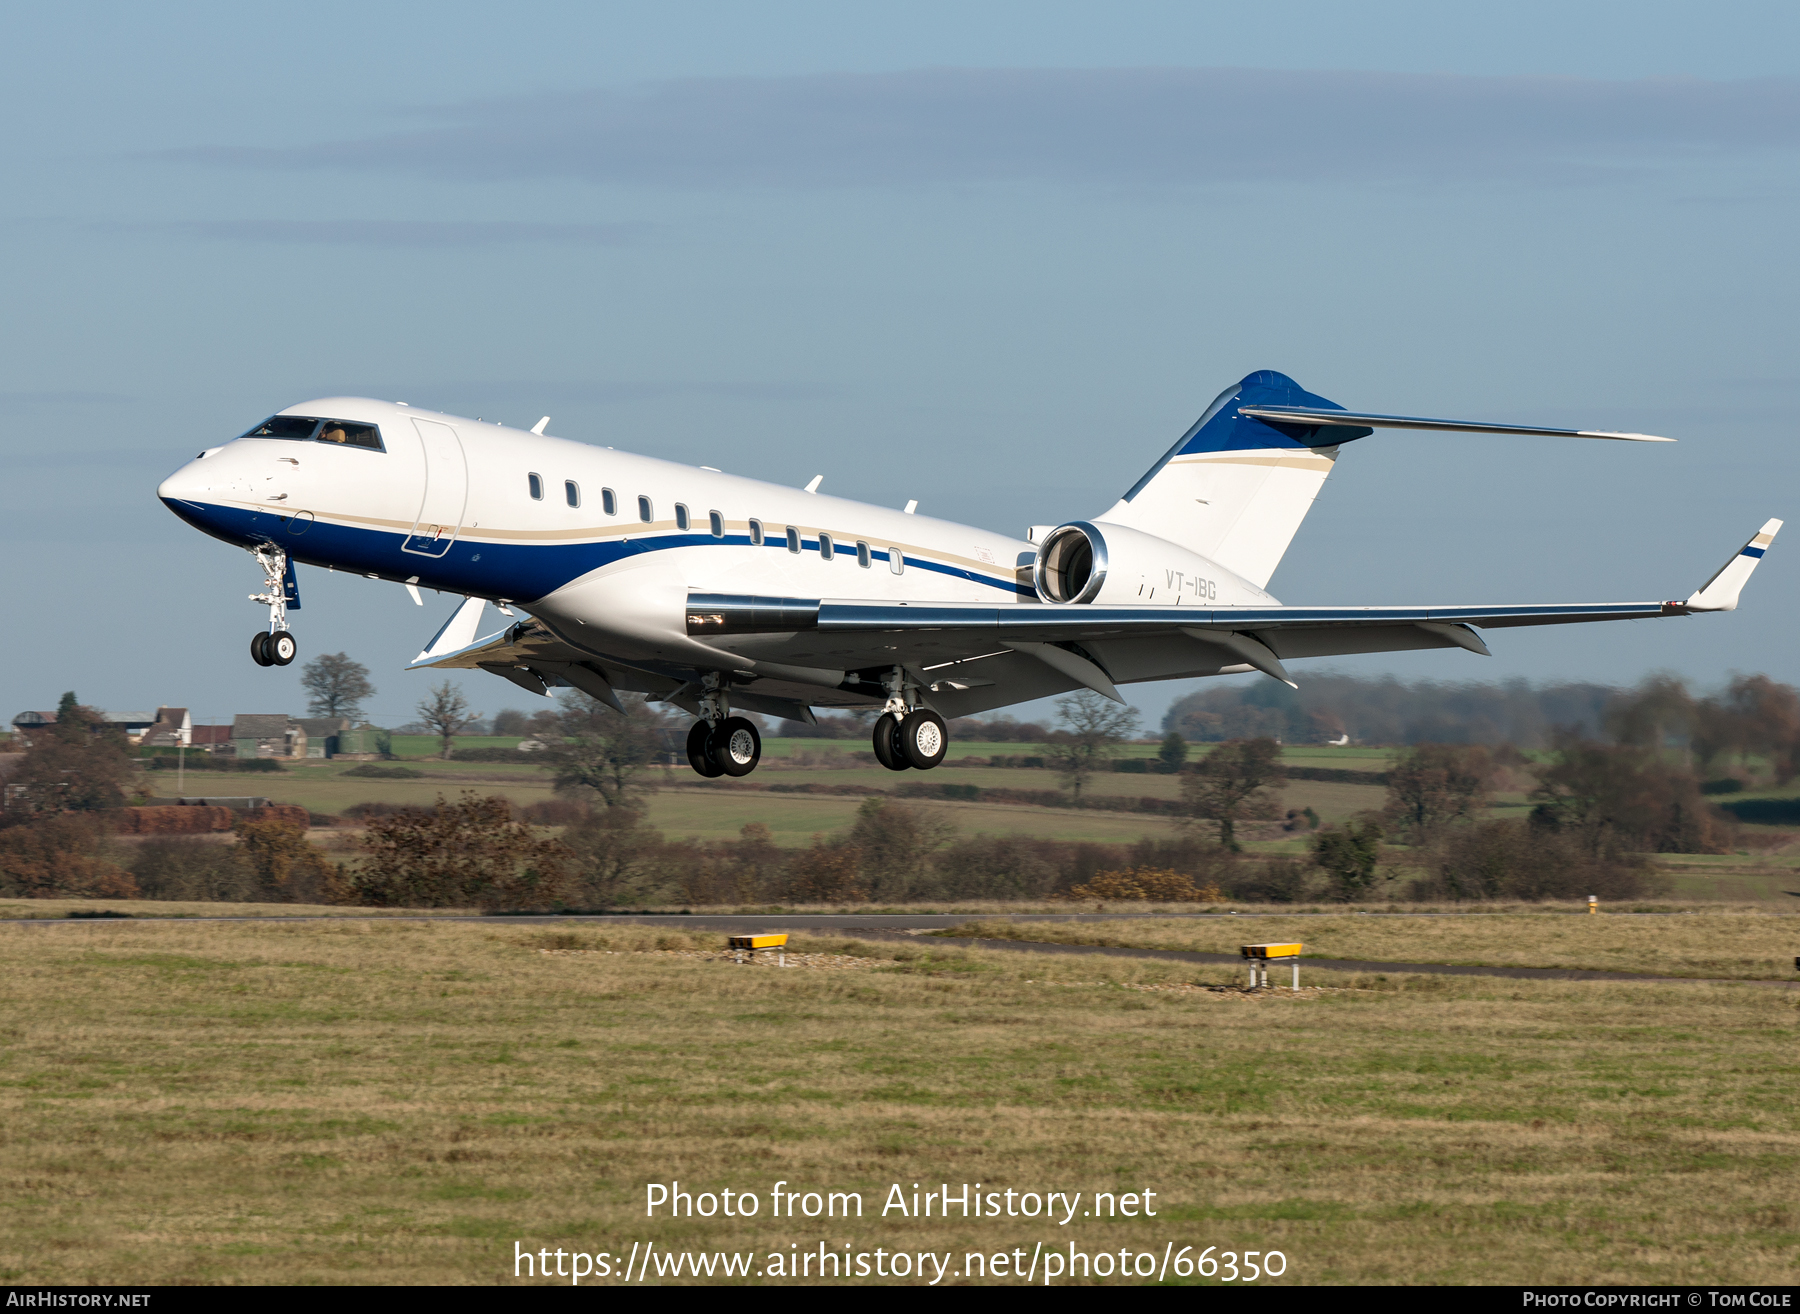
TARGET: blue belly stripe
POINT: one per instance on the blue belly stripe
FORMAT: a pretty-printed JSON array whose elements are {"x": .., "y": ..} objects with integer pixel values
[{"x": 518, "y": 571}]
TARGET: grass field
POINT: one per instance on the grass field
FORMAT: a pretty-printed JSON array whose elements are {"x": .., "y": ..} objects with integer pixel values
[
  {"x": 684, "y": 809},
  {"x": 403, "y": 1102},
  {"x": 1745, "y": 946}
]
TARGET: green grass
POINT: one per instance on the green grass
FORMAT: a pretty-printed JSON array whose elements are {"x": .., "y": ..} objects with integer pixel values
[{"x": 403, "y": 1103}]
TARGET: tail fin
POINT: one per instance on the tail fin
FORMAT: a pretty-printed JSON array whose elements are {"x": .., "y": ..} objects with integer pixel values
[{"x": 1235, "y": 488}]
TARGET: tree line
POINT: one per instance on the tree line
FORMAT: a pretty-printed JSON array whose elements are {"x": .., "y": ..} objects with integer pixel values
[{"x": 1595, "y": 808}]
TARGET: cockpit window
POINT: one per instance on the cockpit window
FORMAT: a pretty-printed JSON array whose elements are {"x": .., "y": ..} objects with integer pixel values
[
  {"x": 300, "y": 428},
  {"x": 285, "y": 426},
  {"x": 350, "y": 434}
]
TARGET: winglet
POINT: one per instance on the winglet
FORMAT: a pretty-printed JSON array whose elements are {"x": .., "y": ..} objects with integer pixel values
[
  {"x": 1720, "y": 593},
  {"x": 458, "y": 632}
]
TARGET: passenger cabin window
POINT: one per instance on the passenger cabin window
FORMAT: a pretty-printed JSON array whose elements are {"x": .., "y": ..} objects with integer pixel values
[
  {"x": 536, "y": 484},
  {"x": 756, "y": 534},
  {"x": 644, "y": 512},
  {"x": 681, "y": 516},
  {"x": 609, "y": 502},
  {"x": 793, "y": 539},
  {"x": 896, "y": 562},
  {"x": 301, "y": 428},
  {"x": 862, "y": 554},
  {"x": 571, "y": 492},
  {"x": 825, "y": 546},
  {"x": 717, "y": 523}
]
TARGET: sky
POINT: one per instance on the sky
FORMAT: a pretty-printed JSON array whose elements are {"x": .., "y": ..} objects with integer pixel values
[{"x": 993, "y": 257}]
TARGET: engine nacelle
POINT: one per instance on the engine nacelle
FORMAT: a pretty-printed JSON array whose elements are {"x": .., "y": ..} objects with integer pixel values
[{"x": 1082, "y": 561}]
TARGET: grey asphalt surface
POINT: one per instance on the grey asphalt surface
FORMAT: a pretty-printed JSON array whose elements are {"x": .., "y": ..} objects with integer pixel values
[{"x": 896, "y": 927}]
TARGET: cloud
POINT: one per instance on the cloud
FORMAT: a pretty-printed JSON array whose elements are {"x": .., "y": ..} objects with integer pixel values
[
  {"x": 396, "y": 232},
  {"x": 1120, "y": 127}
]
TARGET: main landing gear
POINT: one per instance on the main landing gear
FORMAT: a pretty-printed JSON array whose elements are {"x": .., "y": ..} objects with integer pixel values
[
  {"x": 274, "y": 646},
  {"x": 908, "y": 735},
  {"x": 721, "y": 744}
]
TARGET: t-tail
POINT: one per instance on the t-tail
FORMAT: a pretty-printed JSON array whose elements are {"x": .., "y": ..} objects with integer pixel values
[{"x": 1236, "y": 486}]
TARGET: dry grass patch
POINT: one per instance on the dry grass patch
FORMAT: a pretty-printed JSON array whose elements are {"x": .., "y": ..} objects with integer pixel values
[
  {"x": 402, "y": 1101},
  {"x": 1746, "y": 946},
  {"x": 61, "y": 909}
]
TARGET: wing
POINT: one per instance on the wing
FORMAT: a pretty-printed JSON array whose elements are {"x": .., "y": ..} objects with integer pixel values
[
  {"x": 975, "y": 656},
  {"x": 790, "y": 654}
]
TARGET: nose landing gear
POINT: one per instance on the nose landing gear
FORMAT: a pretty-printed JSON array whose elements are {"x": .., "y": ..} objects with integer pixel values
[{"x": 275, "y": 646}]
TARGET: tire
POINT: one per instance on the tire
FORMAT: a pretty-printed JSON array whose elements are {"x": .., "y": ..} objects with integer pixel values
[
  {"x": 887, "y": 745},
  {"x": 736, "y": 746},
  {"x": 699, "y": 751},
  {"x": 259, "y": 649},
  {"x": 281, "y": 648},
  {"x": 923, "y": 739}
]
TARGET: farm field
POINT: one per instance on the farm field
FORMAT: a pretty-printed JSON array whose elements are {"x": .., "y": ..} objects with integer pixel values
[
  {"x": 688, "y": 809},
  {"x": 405, "y": 1102},
  {"x": 794, "y": 819}
]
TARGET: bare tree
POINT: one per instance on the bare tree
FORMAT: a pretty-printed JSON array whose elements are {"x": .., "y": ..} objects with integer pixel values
[
  {"x": 599, "y": 751},
  {"x": 1234, "y": 782},
  {"x": 1095, "y": 725},
  {"x": 1434, "y": 785},
  {"x": 336, "y": 685},
  {"x": 445, "y": 713}
]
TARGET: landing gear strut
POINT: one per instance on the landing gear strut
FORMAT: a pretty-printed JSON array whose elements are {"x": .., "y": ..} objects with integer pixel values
[
  {"x": 721, "y": 744},
  {"x": 908, "y": 735},
  {"x": 274, "y": 646}
]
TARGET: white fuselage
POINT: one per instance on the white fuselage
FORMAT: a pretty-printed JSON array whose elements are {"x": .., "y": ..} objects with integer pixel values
[{"x": 601, "y": 551}]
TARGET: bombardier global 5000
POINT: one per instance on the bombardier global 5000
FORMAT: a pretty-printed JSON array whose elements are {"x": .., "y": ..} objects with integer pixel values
[{"x": 720, "y": 594}]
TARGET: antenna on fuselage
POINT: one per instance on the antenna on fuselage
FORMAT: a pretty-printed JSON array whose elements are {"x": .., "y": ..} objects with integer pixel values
[
  {"x": 912, "y": 506},
  {"x": 539, "y": 427},
  {"x": 813, "y": 484}
]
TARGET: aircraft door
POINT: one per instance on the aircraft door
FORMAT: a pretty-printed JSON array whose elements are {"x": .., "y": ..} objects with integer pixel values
[{"x": 446, "y": 490}]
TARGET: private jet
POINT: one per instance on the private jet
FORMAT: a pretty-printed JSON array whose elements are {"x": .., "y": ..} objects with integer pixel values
[{"x": 720, "y": 594}]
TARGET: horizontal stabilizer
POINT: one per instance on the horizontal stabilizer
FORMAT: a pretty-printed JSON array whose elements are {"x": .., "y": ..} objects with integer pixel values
[
  {"x": 1353, "y": 419},
  {"x": 1720, "y": 593}
]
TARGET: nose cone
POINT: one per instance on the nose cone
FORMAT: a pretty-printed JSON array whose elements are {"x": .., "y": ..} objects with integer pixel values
[
  {"x": 185, "y": 485},
  {"x": 192, "y": 492}
]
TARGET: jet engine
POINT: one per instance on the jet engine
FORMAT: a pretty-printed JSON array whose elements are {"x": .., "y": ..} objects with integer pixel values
[{"x": 1082, "y": 561}]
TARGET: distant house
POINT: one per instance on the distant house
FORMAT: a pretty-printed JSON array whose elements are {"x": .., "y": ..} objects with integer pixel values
[
  {"x": 133, "y": 725},
  {"x": 334, "y": 736},
  {"x": 211, "y": 738},
  {"x": 173, "y": 727},
  {"x": 325, "y": 735},
  {"x": 130, "y": 724},
  {"x": 26, "y": 724},
  {"x": 267, "y": 735}
]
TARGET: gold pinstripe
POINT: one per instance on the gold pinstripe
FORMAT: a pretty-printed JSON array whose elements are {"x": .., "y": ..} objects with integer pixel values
[{"x": 600, "y": 533}]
